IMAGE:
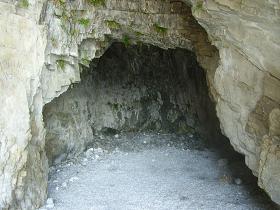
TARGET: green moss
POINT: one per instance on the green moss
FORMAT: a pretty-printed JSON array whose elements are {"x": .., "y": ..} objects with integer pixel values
[
  {"x": 97, "y": 2},
  {"x": 198, "y": 6},
  {"x": 85, "y": 61},
  {"x": 59, "y": 2},
  {"x": 114, "y": 106},
  {"x": 60, "y": 64},
  {"x": 112, "y": 24},
  {"x": 54, "y": 42},
  {"x": 126, "y": 41},
  {"x": 137, "y": 33},
  {"x": 84, "y": 22},
  {"x": 159, "y": 29},
  {"x": 23, "y": 3}
]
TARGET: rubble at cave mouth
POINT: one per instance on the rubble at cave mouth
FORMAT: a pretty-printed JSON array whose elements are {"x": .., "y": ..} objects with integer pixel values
[{"x": 154, "y": 171}]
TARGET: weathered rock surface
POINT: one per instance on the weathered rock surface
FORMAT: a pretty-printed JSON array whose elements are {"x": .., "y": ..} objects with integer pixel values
[
  {"x": 247, "y": 81},
  {"x": 39, "y": 39}
]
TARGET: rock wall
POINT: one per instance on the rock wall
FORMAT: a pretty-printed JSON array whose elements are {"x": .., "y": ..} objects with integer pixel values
[
  {"x": 133, "y": 88},
  {"x": 23, "y": 163},
  {"x": 247, "y": 82},
  {"x": 39, "y": 63}
]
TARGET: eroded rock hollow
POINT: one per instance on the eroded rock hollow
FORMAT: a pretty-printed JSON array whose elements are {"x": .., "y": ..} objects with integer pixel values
[
  {"x": 132, "y": 89},
  {"x": 44, "y": 43}
]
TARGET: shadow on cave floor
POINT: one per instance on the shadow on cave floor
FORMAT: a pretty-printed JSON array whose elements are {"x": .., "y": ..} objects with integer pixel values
[{"x": 154, "y": 171}]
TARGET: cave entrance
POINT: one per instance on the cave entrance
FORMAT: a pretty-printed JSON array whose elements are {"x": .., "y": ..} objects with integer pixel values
[
  {"x": 132, "y": 89},
  {"x": 139, "y": 99}
]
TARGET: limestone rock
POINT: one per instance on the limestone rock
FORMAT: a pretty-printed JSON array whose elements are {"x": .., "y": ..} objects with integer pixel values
[{"x": 42, "y": 47}]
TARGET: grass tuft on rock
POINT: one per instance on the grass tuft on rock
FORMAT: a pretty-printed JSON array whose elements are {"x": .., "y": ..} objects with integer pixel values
[
  {"x": 97, "y": 2},
  {"x": 112, "y": 24},
  {"x": 23, "y": 3},
  {"x": 159, "y": 29},
  {"x": 84, "y": 22}
]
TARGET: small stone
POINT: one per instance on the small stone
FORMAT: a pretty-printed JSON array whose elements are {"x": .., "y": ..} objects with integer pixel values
[
  {"x": 50, "y": 203},
  {"x": 238, "y": 181},
  {"x": 72, "y": 179},
  {"x": 89, "y": 152},
  {"x": 117, "y": 136},
  {"x": 57, "y": 188},
  {"x": 227, "y": 179},
  {"x": 64, "y": 184},
  {"x": 144, "y": 142}
]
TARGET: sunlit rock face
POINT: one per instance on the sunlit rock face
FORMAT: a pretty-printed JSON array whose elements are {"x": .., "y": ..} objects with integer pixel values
[
  {"x": 40, "y": 38},
  {"x": 131, "y": 89}
]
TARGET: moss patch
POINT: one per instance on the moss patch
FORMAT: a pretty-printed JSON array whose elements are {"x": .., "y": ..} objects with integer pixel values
[
  {"x": 60, "y": 64},
  {"x": 97, "y": 2},
  {"x": 112, "y": 24},
  {"x": 159, "y": 29},
  {"x": 126, "y": 41},
  {"x": 84, "y": 22},
  {"x": 23, "y": 3}
]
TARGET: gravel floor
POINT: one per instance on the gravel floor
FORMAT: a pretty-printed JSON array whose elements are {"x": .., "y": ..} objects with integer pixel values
[{"x": 162, "y": 172}]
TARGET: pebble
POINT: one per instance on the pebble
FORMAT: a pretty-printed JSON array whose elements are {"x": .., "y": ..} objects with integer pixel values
[
  {"x": 238, "y": 181},
  {"x": 72, "y": 179},
  {"x": 50, "y": 203},
  {"x": 89, "y": 153},
  {"x": 117, "y": 136},
  {"x": 64, "y": 184}
]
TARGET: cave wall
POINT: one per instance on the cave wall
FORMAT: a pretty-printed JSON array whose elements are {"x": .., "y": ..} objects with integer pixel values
[
  {"x": 39, "y": 39},
  {"x": 131, "y": 89},
  {"x": 23, "y": 162},
  {"x": 247, "y": 81}
]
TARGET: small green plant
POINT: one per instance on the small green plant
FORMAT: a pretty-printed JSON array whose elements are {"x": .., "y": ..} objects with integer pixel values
[
  {"x": 139, "y": 34},
  {"x": 23, "y": 3},
  {"x": 85, "y": 61},
  {"x": 126, "y": 41},
  {"x": 60, "y": 64},
  {"x": 198, "y": 6},
  {"x": 159, "y": 29},
  {"x": 97, "y": 2},
  {"x": 84, "y": 22},
  {"x": 112, "y": 24},
  {"x": 59, "y": 2},
  {"x": 54, "y": 42}
]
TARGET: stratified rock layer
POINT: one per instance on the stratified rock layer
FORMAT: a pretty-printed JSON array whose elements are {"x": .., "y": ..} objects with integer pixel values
[{"x": 39, "y": 63}]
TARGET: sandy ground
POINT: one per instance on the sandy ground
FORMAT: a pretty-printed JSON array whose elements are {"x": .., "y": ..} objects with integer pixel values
[{"x": 148, "y": 172}]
